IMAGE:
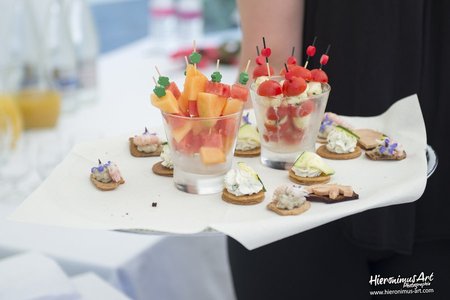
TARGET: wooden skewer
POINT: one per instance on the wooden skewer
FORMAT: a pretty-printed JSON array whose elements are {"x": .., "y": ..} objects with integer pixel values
[
  {"x": 217, "y": 65},
  {"x": 186, "y": 60},
  {"x": 268, "y": 69},
  {"x": 157, "y": 71},
  {"x": 194, "y": 46},
  {"x": 248, "y": 65},
  {"x": 154, "y": 80}
]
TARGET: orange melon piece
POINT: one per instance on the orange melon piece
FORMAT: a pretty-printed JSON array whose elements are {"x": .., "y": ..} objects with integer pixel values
[
  {"x": 180, "y": 132},
  {"x": 210, "y": 105},
  {"x": 167, "y": 103},
  {"x": 183, "y": 102},
  {"x": 212, "y": 155},
  {"x": 191, "y": 70},
  {"x": 194, "y": 85},
  {"x": 232, "y": 106}
]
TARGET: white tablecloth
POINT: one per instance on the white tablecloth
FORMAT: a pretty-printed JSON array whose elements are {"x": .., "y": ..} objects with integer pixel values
[{"x": 143, "y": 267}]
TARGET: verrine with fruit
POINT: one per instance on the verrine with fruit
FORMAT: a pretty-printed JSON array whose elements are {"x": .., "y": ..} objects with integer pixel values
[
  {"x": 201, "y": 125},
  {"x": 288, "y": 108}
]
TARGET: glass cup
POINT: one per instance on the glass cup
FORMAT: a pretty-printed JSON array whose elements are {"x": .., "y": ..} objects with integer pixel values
[
  {"x": 287, "y": 125},
  {"x": 202, "y": 150},
  {"x": 6, "y": 136}
]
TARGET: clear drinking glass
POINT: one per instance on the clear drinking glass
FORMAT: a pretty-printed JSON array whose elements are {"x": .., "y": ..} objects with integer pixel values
[
  {"x": 6, "y": 136},
  {"x": 202, "y": 150},
  {"x": 287, "y": 126}
]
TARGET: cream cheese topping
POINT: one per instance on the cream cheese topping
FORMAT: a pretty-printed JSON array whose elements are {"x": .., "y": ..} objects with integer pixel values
[
  {"x": 306, "y": 171},
  {"x": 340, "y": 142},
  {"x": 247, "y": 144},
  {"x": 240, "y": 182},
  {"x": 166, "y": 156},
  {"x": 148, "y": 148},
  {"x": 314, "y": 88}
]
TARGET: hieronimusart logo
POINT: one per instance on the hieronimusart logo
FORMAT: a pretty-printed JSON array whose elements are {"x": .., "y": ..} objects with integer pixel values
[{"x": 414, "y": 284}]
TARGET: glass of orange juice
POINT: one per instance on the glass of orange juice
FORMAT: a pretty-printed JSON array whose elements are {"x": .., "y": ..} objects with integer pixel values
[
  {"x": 11, "y": 113},
  {"x": 40, "y": 108},
  {"x": 6, "y": 135}
]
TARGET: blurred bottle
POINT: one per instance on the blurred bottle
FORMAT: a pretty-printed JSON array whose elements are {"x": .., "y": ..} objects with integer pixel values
[
  {"x": 59, "y": 55},
  {"x": 24, "y": 73},
  {"x": 190, "y": 20},
  {"x": 85, "y": 40},
  {"x": 162, "y": 23}
]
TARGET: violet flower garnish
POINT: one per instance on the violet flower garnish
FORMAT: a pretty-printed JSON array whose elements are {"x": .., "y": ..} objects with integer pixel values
[
  {"x": 246, "y": 118},
  {"x": 325, "y": 123}
]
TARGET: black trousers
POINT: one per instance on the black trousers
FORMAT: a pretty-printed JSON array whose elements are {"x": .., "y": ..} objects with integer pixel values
[{"x": 323, "y": 263}]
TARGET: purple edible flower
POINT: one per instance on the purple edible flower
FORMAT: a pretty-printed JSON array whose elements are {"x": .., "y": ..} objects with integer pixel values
[
  {"x": 100, "y": 168},
  {"x": 325, "y": 123},
  {"x": 246, "y": 118},
  {"x": 382, "y": 149},
  {"x": 93, "y": 169},
  {"x": 392, "y": 148}
]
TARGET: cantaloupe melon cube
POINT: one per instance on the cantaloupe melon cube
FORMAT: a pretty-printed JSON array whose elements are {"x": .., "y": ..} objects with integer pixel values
[
  {"x": 167, "y": 103},
  {"x": 194, "y": 85},
  {"x": 210, "y": 105},
  {"x": 212, "y": 155},
  {"x": 183, "y": 104},
  {"x": 232, "y": 106}
]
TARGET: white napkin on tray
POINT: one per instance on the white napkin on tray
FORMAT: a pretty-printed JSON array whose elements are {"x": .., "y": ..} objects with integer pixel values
[{"x": 68, "y": 198}]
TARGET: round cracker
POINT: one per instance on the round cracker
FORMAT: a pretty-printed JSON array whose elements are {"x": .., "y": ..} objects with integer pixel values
[
  {"x": 136, "y": 153},
  {"x": 325, "y": 153},
  {"x": 244, "y": 199},
  {"x": 106, "y": 186},
  {"x": 289, "y": 212},
  {"x": 159, "y": 169},
  {"x": 321, "y": 140},
  {"x": 374, "y": 155},
  {"x": 248, "y": 153},
  {"x": 308, "y": 180}
]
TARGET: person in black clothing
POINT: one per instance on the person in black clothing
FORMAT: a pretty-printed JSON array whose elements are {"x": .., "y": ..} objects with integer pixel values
[{"x": 381, "y": 52}]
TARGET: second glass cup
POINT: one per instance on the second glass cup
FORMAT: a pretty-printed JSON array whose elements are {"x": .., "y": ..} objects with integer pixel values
[
  {"x": 288, "y": 125},
  {"x": 202, "y": 150}
]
